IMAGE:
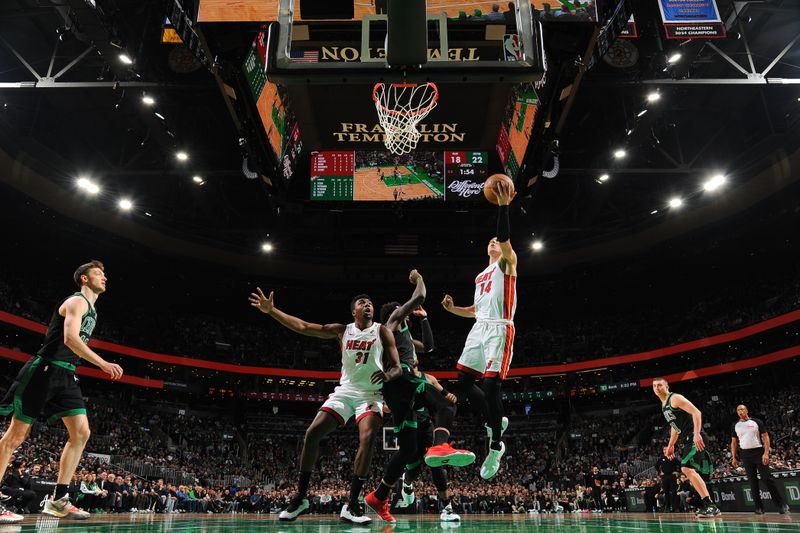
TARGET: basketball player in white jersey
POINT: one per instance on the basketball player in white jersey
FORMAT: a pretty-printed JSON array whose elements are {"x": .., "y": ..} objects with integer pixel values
[
  {"x": 369, "y": 359},
  {"x": 490, "y": 344}
]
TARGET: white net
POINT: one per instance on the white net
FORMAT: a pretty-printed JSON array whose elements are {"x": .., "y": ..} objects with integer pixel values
[{"x": 401, "y": 106}]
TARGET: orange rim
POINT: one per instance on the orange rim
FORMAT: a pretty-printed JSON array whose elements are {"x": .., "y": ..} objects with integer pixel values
[{"x": 420, "y": 111}]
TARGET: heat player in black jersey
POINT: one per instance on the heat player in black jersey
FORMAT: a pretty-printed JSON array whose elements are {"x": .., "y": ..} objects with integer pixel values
[
  {"x": 47, "y": 386},
  {"x": 686, "y": 429}
]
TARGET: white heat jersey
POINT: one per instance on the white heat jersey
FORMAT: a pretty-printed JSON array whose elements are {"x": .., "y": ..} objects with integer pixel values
[
  {"x": 495, "y": 294},
  {"x": 362, "y": 355}
]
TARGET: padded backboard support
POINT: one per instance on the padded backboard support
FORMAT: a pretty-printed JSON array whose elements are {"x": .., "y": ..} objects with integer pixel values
[{"x": 407, "y": 37}]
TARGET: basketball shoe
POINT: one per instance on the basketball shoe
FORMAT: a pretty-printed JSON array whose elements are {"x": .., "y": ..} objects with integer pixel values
[
  {"x": 354, "y": 515},
  {"x": 296, "y": 508},
  {"x": 492, "y": 462},
  {"x": 407, "y": 497},
  {"x": 380, "y": 507},
  {"x": 63, "y": 508},
  {"x": 7, "y": 517},
  {"x": 445, "y": 454},
  {"x": 448, "y": 515}
]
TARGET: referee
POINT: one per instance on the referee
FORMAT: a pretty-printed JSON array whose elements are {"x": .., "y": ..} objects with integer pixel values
[{"x": 750, "y": 435}]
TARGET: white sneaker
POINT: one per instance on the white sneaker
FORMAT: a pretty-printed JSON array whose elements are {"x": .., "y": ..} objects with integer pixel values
[
  {"x": 289, "y": 514},
  {"x": 448, "y": 515},
  {"x": 7, "y": 517},
  {"x": 356, "y": 516},
  {"x": 62, "y": 508},
  {"x": 503, "y": 428},
  {"x": 407, "y": 497},
  {"x": 492, "y": 462}
]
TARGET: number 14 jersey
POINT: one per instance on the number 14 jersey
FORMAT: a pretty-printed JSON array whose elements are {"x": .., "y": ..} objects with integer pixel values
[{"x": 495, "y": 294}]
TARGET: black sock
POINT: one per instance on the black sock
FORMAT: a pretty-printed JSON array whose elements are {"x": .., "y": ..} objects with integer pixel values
[
  {"x": 382, "y": 492},
  {"x": 494, "y": 405},
  {"x": 706, "y": 501},
  {"x": 61, "y": 491},
  {"x": 355, "y": 488},
  {"x": 445, "y": 499},
  {"x": 440, "y": 436},
  {"x": 302, "y": 487},
  {"x": 495, "y": 445}
]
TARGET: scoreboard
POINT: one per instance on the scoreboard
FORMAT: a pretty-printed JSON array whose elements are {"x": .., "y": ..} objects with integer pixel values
[
  {"x": 332, "y": 175},
  {"x": 459, "y": 166}
]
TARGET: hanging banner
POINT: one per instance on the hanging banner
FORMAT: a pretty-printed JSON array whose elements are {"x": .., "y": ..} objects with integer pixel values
[
  {"x": 629, "y": 32},
  {"x": 691, "y": 19}
]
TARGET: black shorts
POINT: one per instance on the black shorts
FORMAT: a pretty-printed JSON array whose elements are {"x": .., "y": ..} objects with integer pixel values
[
  {"x": 43, "y": 388},
  {"x": 402, "y": 396}
]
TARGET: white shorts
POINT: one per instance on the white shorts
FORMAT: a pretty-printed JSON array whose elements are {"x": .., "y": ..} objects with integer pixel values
[
  {"x": 343, "y": 403},
  {"x": 488, "y": 350}
]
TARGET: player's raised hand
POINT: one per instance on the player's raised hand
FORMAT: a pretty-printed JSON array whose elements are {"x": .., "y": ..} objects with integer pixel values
[
  {"x": 414, "y": 277},
  {"x": 261, "y": 302},
  {"x": 419, "y": 312},
  {"x": 447, "y": 303},
  {"x": 504, "y": 193}
]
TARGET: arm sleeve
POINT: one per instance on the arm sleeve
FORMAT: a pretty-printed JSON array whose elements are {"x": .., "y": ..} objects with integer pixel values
[
  {"x": 503, "y": 224},
  {"x": 427, "y": 335}
]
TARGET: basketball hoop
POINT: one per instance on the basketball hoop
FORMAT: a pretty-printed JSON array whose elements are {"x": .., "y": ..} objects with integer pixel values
[{"x": 401, "y": 106}]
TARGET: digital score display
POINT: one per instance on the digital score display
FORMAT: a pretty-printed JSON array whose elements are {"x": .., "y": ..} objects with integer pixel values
[
  {"x": 332, "y": 176},
  {"x": 471, "y": 166}
]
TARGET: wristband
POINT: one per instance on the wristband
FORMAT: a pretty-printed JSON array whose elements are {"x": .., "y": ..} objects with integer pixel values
[{"x": 444, "y": 392}]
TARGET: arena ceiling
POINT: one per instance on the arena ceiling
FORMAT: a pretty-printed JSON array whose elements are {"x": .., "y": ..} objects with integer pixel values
[{"x": 730, "y": 107}]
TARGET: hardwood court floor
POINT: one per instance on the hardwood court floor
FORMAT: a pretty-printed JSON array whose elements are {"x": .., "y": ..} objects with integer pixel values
[
  {"x": 367, "y": 185},
  {"x": 620, "y": 522}
]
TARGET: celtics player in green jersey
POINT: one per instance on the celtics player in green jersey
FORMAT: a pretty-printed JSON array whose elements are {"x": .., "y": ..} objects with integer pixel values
[
  {"x": 686, "y": 429},
  {"x": 47, "y": 386}
]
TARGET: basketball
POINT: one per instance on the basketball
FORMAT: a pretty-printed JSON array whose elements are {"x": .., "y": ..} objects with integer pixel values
[{"x": 490, "y": 186}]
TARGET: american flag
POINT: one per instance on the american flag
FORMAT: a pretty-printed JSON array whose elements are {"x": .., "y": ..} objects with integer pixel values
[{"x": 304, "y": 56}]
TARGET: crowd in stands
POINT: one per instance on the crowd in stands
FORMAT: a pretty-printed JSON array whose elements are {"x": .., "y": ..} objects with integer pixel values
[{"x": 189, "y": 466}]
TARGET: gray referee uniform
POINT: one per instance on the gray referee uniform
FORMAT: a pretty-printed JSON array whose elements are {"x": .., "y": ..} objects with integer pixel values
[{"x": 751, "y": 449}]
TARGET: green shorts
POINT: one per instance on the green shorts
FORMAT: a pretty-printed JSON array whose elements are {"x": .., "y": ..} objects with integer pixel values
[
  {"x": 402, "y": 396},
  {"x": 44, "y": 388},
  {"x": 698, "y": 461}
]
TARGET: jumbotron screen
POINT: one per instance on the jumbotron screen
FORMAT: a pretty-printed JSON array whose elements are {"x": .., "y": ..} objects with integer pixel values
[{"x": 382, "y": 176}]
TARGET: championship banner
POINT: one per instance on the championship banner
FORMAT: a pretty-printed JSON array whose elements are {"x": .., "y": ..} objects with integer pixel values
[
  {"x": 691, "y": 19},
  {"x": 630, "y": 31}
]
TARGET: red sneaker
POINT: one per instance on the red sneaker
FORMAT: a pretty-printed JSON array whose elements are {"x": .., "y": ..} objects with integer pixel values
[
  {"x": 381, "y": 507},
  {"x": 444, "y": 454}
]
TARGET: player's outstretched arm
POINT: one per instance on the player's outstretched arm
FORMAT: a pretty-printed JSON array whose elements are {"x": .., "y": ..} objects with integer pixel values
[
  {"x": 75, "y": 308},
  {"x": 505, "y": 195},
  {"x": 426, "y": 345},
  {"x": 466, "y": 312},
  {"x": 309, "y": 329},
  {"x": 417, "y": 299}
]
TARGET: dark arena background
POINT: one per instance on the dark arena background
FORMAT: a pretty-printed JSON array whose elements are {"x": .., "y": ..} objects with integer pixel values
[{"x": 201, "y": 149}]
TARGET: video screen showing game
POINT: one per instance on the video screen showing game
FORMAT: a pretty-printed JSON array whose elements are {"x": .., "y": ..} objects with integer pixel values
[
  {"x": 517, "y": 127},
  {"x": 377, "y": 176}
]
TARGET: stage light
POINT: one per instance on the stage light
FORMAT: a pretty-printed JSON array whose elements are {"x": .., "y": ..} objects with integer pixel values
[
  {"x": 198, "y": 180},
  {"x": 675, "y": 202},
  {"x": 83, "y": 183},
  {"x": 674, "y": 58},
  {"x": 181, "y": 156},
  {"x": 537, "y": 246},
  {"x": 619, "y": 153},
  {"x": 714, "y": 183},
  {"x": 125, "y": 204},
  {"x": 654, "y": 211},
  {"x": 148, "y": 100},
  {"x": 89, "y": 186},
  {"x": 641, "y": 113},
  {"x": 602, "y": 178},
  {"x": 125, "y": 59},
  {"x": 655, "y": 96},
  {"x": 159, "y": 115},
  {"x": 267, "y": 247}
]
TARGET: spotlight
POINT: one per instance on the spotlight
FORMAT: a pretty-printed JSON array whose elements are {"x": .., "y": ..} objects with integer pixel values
[
  {"x": 125, "y": 204},
  {"x": 181, "y": 156},
  {"x": 159, "y": 115},
  {"x": 125, "y": 59},
  {"x": 537, "y": 246},
  {"x": 714, "y": 183},
  {"x": 675, "y": 202},
  {"x": 674, "y": 58},
  {"x": 619, "y": 153},
  {"x": 654, "y": 211},
  {"x": 148, "y": 100},
  {"x": 267, "y": 247},
  {"x": 655, "y": 96},
  {"x": 602, "y": 178},
  {"x": 83, "y": 183},
  {"x": 198, "y": 180},
  {"x": 641, "y": 113},
  {"x": 88, "y": 186}
]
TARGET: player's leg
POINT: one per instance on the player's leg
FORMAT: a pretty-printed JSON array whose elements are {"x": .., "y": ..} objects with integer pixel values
[
  {"x": 14, "y": 436},
  {"x": 369, "y": 423},
  {"x": 499, "y": 343},
  {"x": 414, "y": 468},
  {"x": 331, "y": 415},
  {"x": 442, "y": 453},
  {"x": 694, "y": 465},
  {"x": 78, "y": 433},
  {"x": 440, "y": 482},
  {"x": 471, "y": 366}
]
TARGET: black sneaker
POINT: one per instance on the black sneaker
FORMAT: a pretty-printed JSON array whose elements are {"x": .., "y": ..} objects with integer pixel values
[
  {"x": 709, "y": 511},
  {"x": 784, "y": 508},
  {"x": 297, "y": 506},
  {"x": 759, "y": 511}
]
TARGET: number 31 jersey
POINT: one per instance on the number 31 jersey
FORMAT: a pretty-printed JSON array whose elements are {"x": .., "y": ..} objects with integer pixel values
[
  {"x": 495, "y": 294},
  {"x": 362, "y": 356}
]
